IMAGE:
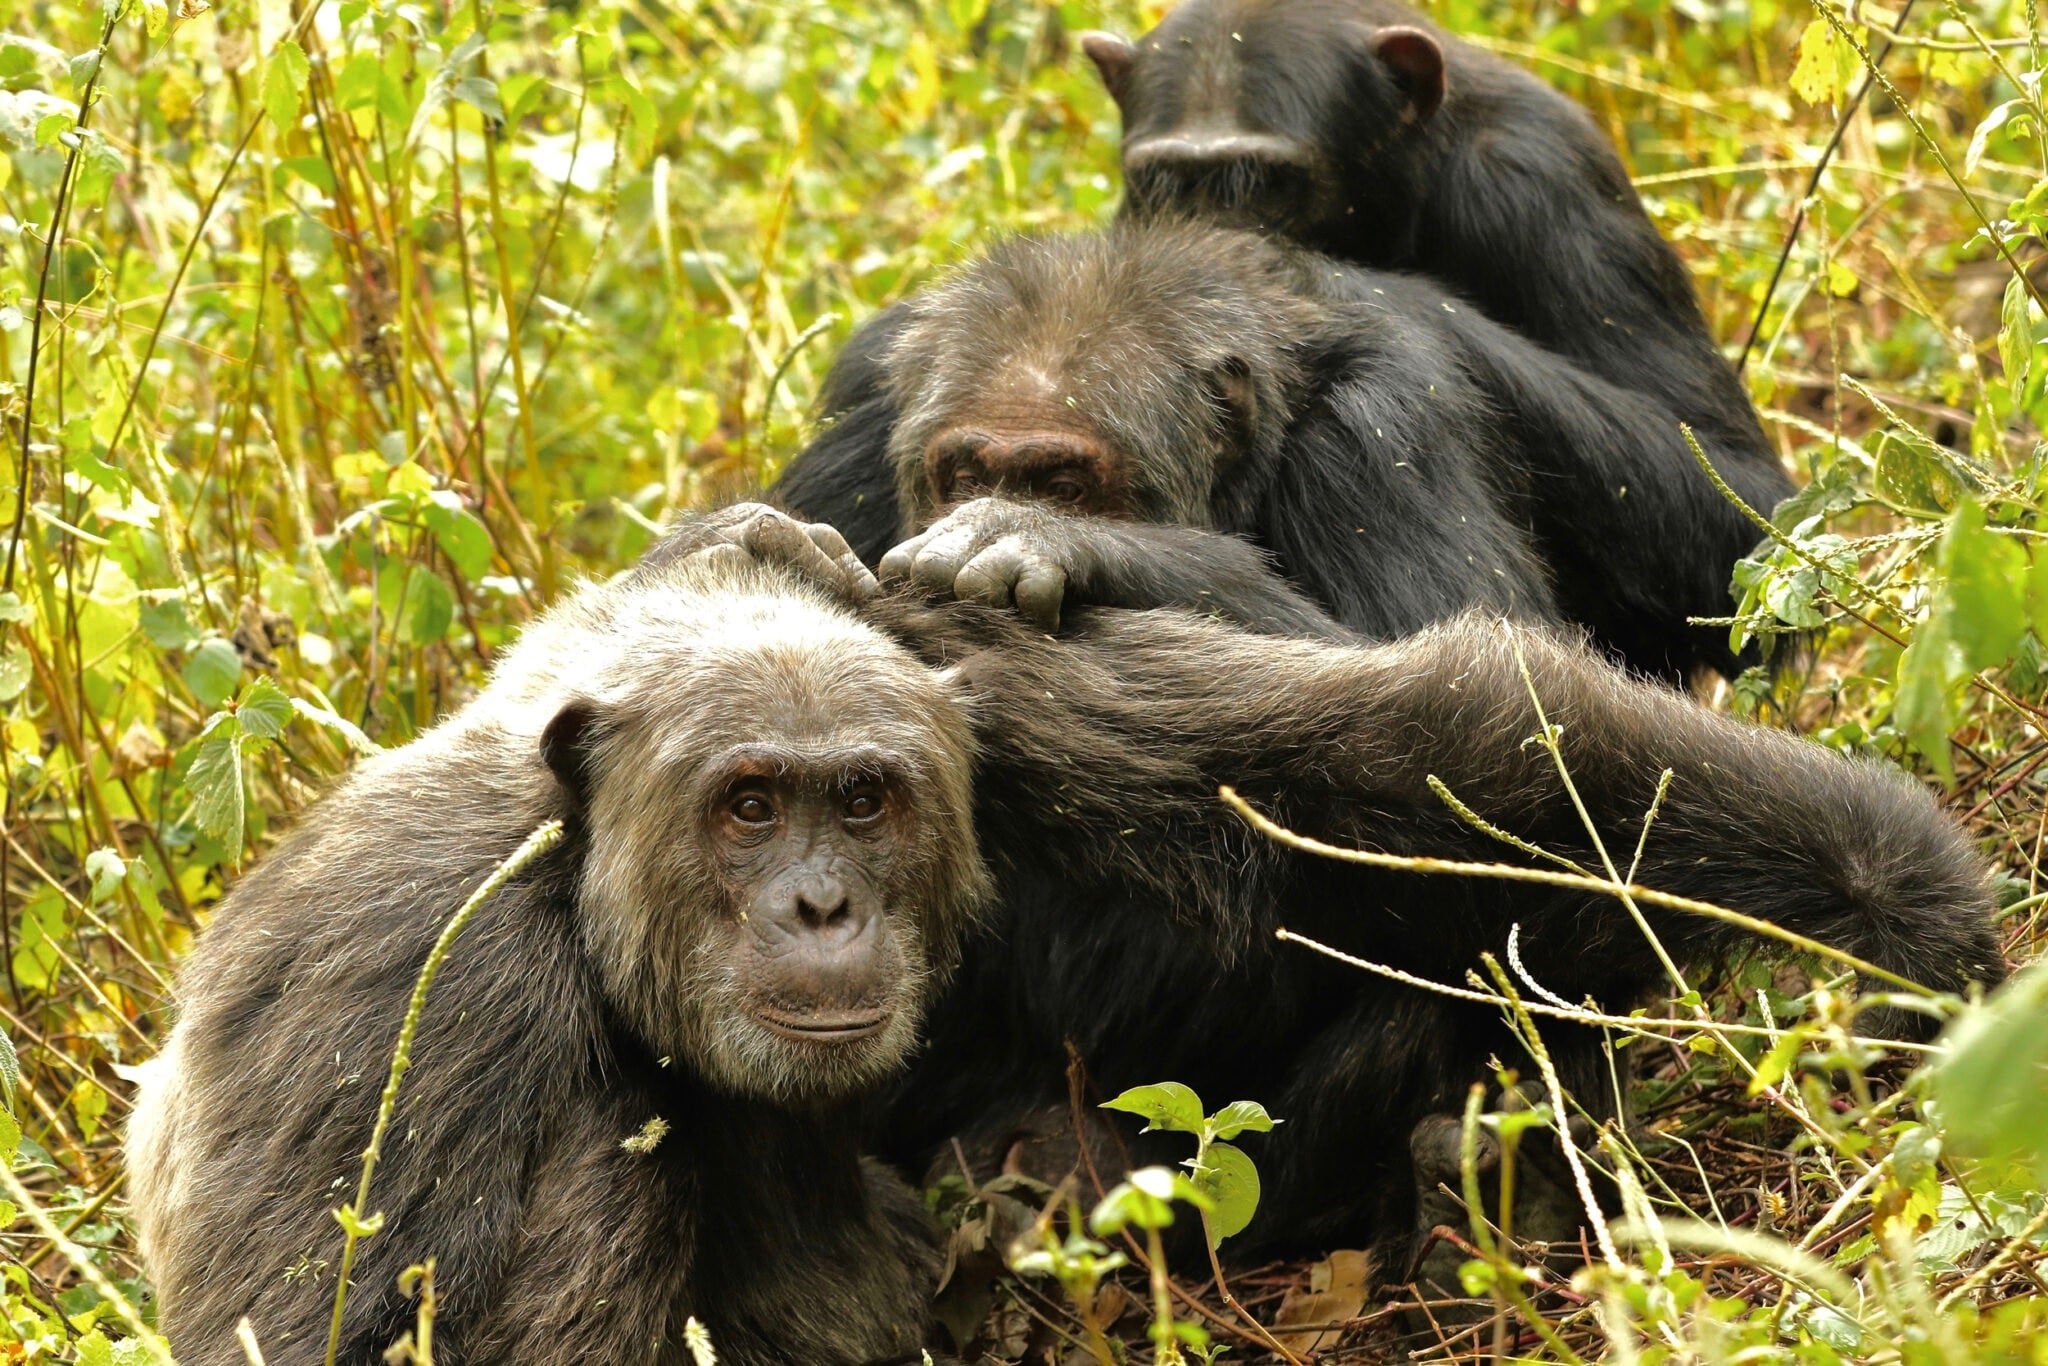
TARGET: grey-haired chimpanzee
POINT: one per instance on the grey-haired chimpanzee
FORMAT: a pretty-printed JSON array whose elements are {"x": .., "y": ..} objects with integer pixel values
[
  {"x": 1401, "y": 456},
  {"x": 786, "y": 796},
  {"x": 629, "y": 1087}
]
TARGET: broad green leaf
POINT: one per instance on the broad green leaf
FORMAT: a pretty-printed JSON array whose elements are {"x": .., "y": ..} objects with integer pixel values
[
  {"x": 93, "y": 1349},
  {"x": 1145, "y": 1200},
  {"x": 1913, "y": 474},
  {"x": 166, "y": 624},
  {"x": 215, "y": 782},
  {"x": 460, "y": 535},
  {"x": 284, "y": 78},
  {"x": 356, "y": 86},
  {"x": 1813, "y": 76},
  {"x": 1240, "y": 1116},
  {"x": 212, "y": 672},
  {"x": 10, "y": 1083},
  {"x": 1992, "y": 122},
  {"x": 1231, "y": 1182},
  {"x": 428, "y": 609},
  {"x": 1985, "y": 597},
  {"x": 265, "y": 710},
  {"x": 1991, "y": 1089},
  {"x": 12, "y": 608},
  {"x": 1922, "y": 700},
  {"x": 1167, "y": 1105}
]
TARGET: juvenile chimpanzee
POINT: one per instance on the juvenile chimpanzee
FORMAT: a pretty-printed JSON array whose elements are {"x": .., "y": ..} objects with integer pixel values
[
  {"x": 1400, "y": 455},
  {"x": 1360, "y": 129},
  {"x": 628, "y": 1091}
]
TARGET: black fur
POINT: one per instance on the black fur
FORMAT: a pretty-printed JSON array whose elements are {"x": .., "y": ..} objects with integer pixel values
[{"x": 1409, "y": 458}]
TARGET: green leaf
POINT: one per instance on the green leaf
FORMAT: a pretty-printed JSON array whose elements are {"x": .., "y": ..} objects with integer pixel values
[
  {"x": 1240, "y": 1116},
  {"x": 462, "y": 538},
  {"x": 428, "y": 610},
  {"x": 1813, "y": 75},
  {"x": 1980, "y": 140},
  {"x": 88, "y": 1103},
  {"x": 12, "y": 608},
  {"x": 106, "y": 869},
  {"x": 1923, "y": 703},
  {"x": 16, "y": 670},
  {"x": 284, "y": 78},
  {"x": 361, "y": 1228},
  {"x": 93, "y": 1349},
  {"x": 212, "y": 672},
  {"x": 1145, "y": 1200},
  {"x": 1915, "y": 475},
  {"x": 1231, "y": 1182},
  {"x": 1991, "y": 1089},
  {"x": 166, "y": 624},
  {"x": 215, "y": 782},
  {"x": 1985, "y": 596},
  {"x": 356, "y": 86},
  {"x": 264, "y": 710},
  {"x": 2016, "y": 334},
  {"x": 10, "y": 1082},
  {"x": 1168, "y": 1105},
  {"x": 85, "y": 66}
]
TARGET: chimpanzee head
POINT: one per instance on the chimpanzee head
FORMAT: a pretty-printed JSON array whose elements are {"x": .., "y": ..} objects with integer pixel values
[
  {"x": 1147, "y": 373},
  {"x": 776, "y": 801},
  {"x": 1282, "y": 117}
]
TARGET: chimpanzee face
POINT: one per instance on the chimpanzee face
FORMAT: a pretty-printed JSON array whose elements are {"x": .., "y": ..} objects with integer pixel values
[
  {"x": 1133, "y": 380},
  {"x": 1264, "y": 116},
  {"x": 780, "y": 856}
]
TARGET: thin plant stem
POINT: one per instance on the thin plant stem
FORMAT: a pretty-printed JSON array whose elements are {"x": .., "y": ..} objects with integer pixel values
[{"x": 545, "y": 837}]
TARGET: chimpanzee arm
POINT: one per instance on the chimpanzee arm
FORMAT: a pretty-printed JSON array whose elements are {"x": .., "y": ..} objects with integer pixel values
[
  {"x": 1102, "y": 754},
  {"x": 844, "y": 477},
  {"x": 271, "y": 1092},
  {"x": 1003, "y": 552}
]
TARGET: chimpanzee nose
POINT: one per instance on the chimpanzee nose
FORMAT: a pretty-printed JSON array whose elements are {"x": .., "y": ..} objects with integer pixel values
[{"x": 811, "y": 903}]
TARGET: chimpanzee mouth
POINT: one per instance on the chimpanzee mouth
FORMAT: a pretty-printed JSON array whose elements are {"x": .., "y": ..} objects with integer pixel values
[{"x": 826, "y": 1026}]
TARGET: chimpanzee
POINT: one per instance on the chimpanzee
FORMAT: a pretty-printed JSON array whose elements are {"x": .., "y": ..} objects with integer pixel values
[
  {"x": 1401, "y": 456},
  {"x": 1134, "y": 917},
  {"x": 1360, "y": 129}
]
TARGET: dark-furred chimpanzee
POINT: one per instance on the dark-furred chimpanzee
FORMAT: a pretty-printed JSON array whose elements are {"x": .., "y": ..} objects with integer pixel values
[
  {"x": 1134, "y": 914},
  {"x": 1360, "y": 129},
  {"x": 1401, "y": 456},
  {"x": 628, "y": 1094}
]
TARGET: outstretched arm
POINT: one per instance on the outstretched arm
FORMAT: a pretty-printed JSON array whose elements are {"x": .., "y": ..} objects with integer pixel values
[{"x": 1103, "y": 754}]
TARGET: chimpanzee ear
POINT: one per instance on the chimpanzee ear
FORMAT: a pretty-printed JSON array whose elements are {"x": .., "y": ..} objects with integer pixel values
[
  {"x": 1417, "y": 62},
  {"x": 1113, "y": 57},
  {"x": 1236, "y": 397},
  {"x": 568, "y": 744}
]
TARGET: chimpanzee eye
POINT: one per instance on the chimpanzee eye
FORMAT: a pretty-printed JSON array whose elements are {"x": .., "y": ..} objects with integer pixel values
[
  {"x": 863, "y": 805},
  {"x": 1065, "y": 490},
  {"x": 753, "y": 809}
]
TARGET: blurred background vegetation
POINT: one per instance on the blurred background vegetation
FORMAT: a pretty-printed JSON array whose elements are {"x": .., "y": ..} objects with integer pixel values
[{"x": 336, "y": 338}]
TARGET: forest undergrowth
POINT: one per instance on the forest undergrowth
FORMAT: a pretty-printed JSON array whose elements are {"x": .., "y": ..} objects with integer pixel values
[{"x": 336, "y": 338}]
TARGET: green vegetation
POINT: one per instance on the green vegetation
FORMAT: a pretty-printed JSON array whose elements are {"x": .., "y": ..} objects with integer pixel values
[{"x": 335, "y": 338}]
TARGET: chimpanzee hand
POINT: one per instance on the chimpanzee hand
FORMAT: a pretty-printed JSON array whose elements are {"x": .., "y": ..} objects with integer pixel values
[
  {"x": 996, "y": 551},
  {"x": 1001, "y": 552},
  {"x": 756, "y": 533}
]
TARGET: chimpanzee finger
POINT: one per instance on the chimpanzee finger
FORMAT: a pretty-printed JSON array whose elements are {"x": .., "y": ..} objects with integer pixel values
[
  {"x": 990, "y": 576},
  {"x": 901, "y": 560},
  {"x": 860, "y": 581},
  {"x": 776, "y": 537},
  {"x": 734, "y": 518},
  {"x": 725, "y": 557},
  {"x": 941, "y": 559},
  {"x": 1040, "y": 589}
]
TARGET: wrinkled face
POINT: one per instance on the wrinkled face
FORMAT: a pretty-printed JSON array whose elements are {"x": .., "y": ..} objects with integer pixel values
[
  {"x": 1261, "y": 115},
  {"x": 780, "y": 862},
  {"x": 1128, "y": 376}
]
